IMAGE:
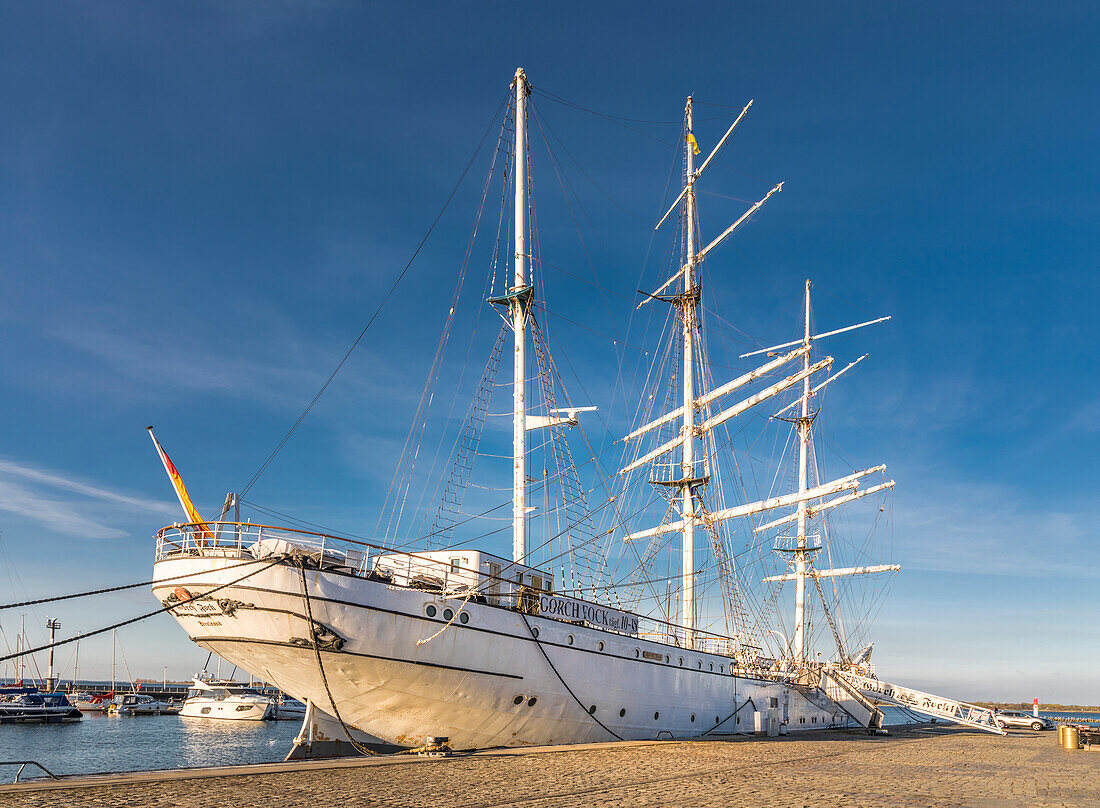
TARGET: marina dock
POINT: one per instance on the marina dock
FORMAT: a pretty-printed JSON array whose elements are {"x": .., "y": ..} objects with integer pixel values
[{"x": 925, "y": 766}]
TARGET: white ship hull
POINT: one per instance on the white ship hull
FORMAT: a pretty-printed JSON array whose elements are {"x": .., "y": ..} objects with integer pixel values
[{"x": 488, "y": 682}]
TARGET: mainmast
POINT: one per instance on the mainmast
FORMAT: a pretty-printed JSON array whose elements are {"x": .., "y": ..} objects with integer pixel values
[
  {"x": 799, "y": 644},
  {"x": 688, "y": 303},
  {"x": 520, "y": 297}
]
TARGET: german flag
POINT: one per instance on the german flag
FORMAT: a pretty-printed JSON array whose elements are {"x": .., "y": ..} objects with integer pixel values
[{"x": 181, "y": 489}]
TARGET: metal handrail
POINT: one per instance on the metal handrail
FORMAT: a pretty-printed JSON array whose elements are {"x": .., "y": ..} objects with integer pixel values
[
  {"x": 237, "y": 538},
  {"x": 22, "y": 764}
]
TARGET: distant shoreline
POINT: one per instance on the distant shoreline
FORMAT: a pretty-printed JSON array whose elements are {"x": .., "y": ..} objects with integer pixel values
[{"x": 1046, "y": 708}]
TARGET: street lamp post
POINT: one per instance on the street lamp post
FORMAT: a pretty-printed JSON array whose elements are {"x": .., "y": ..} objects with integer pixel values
[{"x": 53, "y": 624}]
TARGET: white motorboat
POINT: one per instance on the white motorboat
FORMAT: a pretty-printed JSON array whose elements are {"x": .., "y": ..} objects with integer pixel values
[
  {"x": 140, "y": 704},
  {"x": 289, "y": 708},
  {"x": 227, "y": 701}
]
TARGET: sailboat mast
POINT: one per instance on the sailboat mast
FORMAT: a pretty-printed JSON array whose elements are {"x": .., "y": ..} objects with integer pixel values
[
  {"x": 687, "y": 464},
  {"x": 799, "y": 649},
  {"x": 520, "y": 294}
]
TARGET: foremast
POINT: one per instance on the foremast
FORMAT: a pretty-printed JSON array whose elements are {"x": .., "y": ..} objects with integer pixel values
[
  {"x": 689, "y": 303},
  {"x": 520, "y": 298}
]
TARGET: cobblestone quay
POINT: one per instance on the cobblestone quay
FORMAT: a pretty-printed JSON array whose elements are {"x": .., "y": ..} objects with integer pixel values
[{"x": 930, "y": 767}]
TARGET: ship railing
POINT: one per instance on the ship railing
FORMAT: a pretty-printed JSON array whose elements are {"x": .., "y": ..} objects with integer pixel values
[{"x": 401, "y": 568}]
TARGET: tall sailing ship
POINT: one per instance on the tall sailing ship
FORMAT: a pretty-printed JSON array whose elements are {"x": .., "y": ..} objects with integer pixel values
[{"x": 558, "y": 643}]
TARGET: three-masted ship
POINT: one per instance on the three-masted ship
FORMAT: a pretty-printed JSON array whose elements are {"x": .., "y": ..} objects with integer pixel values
[{"x": 392, "y": 645}]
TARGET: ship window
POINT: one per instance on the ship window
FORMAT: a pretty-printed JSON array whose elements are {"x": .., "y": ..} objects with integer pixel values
[
  {"x": 464, "y": 618},
  {"x": 448, "y": 614},
  {"x": 699, "y": 664},
  {"x": 517, "y": 700},
  {"x": 716, "y": 721},
  {"x": 531, "y": 701},
  {"x": 693, "y": 718},
  {"x": 534, "y": 632},
  {"x": 666, "y": 657},
  {"x": 656, "y": 716},
  {"x": 592, "y": 710},
  {"x": 813, "y": 719},
  {"x": 243, "y": 707},
  {"x": 569, "y": 639},
  {"x": 536, "y": 582},
  {"x": 637, "y": 653},
  {"x": 681, "y": 662},
  {"x": 738, "y": 721},
  {"x": 712, "y": 667},
  {"x": 721, "y": 668},
  {"x": 429, "y": 610},
  {"x": 775, "y": 703},
  {"x": 456, "y": 564},
  {"x": 204, "y": 710},
  {"x": 622, "y": 712},
  {"x": 599, "y": 646}
]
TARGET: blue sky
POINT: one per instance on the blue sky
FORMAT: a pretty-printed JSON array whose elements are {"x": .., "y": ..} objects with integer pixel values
[{"x": 201, "y": 204}]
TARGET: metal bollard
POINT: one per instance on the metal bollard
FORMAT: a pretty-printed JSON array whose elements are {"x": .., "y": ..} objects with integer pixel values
[
  {"x": 1071, "y": 738},
  {"x": 1061, "y": 734}
]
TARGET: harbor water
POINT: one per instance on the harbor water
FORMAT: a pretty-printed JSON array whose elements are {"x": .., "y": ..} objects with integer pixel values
[{"x": 108, "y": 743}]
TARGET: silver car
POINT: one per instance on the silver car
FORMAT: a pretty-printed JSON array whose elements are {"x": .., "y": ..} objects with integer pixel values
[{"x": 1019, "y": 719}]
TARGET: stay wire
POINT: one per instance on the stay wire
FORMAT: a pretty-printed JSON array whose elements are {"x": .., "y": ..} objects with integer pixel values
[{"x": 374, "y": 316}]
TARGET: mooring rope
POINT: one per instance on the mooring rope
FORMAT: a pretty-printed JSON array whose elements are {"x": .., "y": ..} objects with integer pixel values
[
  {"x": 85, "y": 635},
  {"x": 108, "y": 589},
  {"x": 580, "y": 703},
  {"x": 358, "y": 747}
]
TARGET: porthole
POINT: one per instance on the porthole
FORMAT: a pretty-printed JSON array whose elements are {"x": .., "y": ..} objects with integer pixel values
[
  {"x": 569, "y": 639},
  {"x": 813, "y": 719},
  {"x": 666, "y": 658},
  {"x": 738, "y": 720},
  {"x": 592, "y": 710},
  {"x": 637, "y": 653},
  {"x": 656, "y": 716},
  {"x": 464, "y": 618},
  {"x": 429, "y": 610},
  {"x": 534, "y": 632},
  {"x": 721, "y": 668},
  {"x": 681, "y": 662},
  {"x": 693, "y": 718},
  {"x": 699, "y": 664},
  {"x": 531, "y": 701},
  {"x": 599, "y": 646},
  {"x": 712, "y": 667},
  {"x": 716, "y": 721},
  {"x": 622, "y": 712},
  {"x": 448, "y": 614},
  {"x": 517, "y": 700}
]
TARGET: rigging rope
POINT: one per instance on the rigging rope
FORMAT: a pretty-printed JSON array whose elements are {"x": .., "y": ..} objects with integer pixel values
[{"x": 377, "y": 311}]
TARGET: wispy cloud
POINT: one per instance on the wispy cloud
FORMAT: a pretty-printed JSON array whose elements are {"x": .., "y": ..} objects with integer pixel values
[
  {"x": 36, "y": 494},
  {"x": 989, "y": 529}
]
